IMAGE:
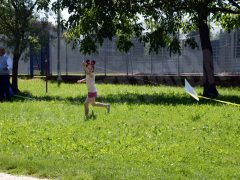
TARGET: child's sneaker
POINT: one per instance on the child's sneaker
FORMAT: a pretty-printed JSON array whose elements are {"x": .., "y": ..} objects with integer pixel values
[{"x": 108, "y": 108}]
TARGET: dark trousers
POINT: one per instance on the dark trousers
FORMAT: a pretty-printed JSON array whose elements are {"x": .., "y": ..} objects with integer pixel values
[{"x": 4, "y": 87}]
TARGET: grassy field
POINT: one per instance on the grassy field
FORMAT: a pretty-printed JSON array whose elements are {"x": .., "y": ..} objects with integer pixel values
[{"x": 152, "y": 132}]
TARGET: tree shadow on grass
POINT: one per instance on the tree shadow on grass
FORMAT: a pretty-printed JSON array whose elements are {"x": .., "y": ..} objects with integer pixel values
[
  {"x": 165, "y": 99},
  {"x": 132, "y": 98}
]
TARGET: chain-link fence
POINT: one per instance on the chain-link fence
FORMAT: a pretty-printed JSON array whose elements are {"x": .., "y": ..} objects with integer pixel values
[{"x": 138, "y": 61}]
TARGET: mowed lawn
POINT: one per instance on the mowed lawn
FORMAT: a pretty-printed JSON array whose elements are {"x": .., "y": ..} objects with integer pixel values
[{"x": 152, "y": 132}]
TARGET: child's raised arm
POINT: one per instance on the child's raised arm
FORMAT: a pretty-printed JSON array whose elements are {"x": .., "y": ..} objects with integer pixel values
[
  {"x": 84, "y": 65},
  {"x": 81, "y": 81}
]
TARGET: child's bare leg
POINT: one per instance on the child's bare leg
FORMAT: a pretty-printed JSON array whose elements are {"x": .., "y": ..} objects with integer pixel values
[
  {"x": 86, "y": 107},
  {"x": 98, "y": 104}
]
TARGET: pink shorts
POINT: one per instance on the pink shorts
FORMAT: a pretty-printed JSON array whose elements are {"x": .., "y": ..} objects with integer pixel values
[{"x": 92, "y": 94}]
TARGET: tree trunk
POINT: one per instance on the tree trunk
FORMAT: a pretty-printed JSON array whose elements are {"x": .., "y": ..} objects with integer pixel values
[
  {"x": 210, "y": 89},
  {"x": 16, "y": 58}
]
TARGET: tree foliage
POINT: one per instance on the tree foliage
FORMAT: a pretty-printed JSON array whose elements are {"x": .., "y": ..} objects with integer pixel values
[
  {"x": 18, "y": 19},
  {"x": 19, "y": 26},
  {"x": 91, "y": 22},
  {"x": 155, "y": 22}
]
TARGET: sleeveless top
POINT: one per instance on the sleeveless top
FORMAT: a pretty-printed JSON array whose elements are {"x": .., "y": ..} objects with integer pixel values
[{"x": 90, "y": 82}]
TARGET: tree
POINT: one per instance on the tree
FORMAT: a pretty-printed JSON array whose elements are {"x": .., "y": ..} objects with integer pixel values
[
  {"x": 200, "y": 12},
  {"x": 92, "y": 21},
  {"x": 17, "y": 18}
]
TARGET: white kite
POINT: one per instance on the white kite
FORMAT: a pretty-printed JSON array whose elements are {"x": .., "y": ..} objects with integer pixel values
[{"x": 190, "y": 90}]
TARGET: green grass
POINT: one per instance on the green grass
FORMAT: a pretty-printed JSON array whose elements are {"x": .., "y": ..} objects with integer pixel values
[{"x": 152, "y": 132}]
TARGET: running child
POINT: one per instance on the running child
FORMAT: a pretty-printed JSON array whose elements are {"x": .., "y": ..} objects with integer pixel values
[{"x": 88, "y": 67}]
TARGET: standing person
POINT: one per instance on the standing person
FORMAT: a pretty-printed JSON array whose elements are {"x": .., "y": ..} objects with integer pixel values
[
  {"x": 5, "y": 68},
  {"x": 88, "y": 67}
]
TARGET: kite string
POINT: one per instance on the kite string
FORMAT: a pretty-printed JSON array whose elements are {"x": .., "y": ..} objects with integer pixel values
[
  {"x": 134, "y": 76},
  {"x": 190, "y": 90},
  {"x": 221, "y": 101}
]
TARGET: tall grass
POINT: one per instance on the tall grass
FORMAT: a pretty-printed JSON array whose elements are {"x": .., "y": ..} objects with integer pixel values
[{"x": 152, "y": 132}]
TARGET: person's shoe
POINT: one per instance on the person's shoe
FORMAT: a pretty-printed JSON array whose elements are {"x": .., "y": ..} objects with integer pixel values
[{"x": 108, "y": 108}]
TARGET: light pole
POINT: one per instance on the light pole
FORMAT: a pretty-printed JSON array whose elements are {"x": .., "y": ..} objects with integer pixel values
[{"x": 58, "y": 43}]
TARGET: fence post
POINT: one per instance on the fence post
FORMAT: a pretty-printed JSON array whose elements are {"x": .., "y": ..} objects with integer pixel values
[
  {"x": 105, "y": 65},
  {"x": 126, "y": 61},
  {"x": 131, "y": 64},
  {"x": 178, "y": 62},
  {"x": 66, "y": 59},
  {"x": 151, "y": 63},
  {"x": 46, "y": 74}
]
